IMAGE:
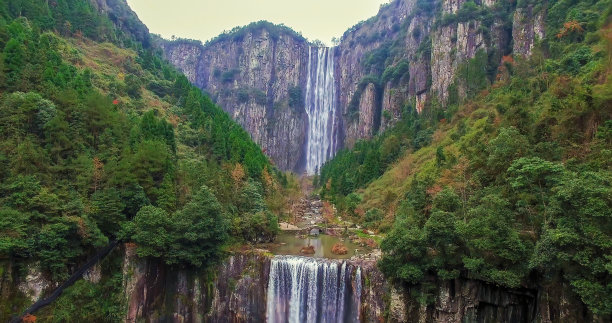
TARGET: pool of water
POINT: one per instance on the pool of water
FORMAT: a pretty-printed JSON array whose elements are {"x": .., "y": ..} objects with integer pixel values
[{"x": 288, "y": 243}]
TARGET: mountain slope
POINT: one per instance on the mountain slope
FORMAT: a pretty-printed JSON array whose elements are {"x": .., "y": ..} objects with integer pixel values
[
  {"x": 509, "y": 185},
  {"x": 101, "y": 139},
  {"x": 411, "y": 51}
]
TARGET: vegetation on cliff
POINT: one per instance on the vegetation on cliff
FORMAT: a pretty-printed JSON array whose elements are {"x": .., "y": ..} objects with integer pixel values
[
  {"x": 101, "y": 139},
  {"x": 511, "y": 185}
]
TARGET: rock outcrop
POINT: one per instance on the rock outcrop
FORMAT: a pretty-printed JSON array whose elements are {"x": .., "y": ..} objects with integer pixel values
[
  {"x": 236, "y": 291},
  {"x": 126, "y": 20},
  {"x": 527, "y": 28}
]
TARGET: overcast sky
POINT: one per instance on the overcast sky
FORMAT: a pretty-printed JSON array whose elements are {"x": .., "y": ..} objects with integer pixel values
[{"x": 204, "y": 19}]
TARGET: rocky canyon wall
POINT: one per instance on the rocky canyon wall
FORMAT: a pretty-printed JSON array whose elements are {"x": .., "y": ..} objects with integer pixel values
[
  {"x": 236, "y": 290},
  {"x": 256, "y": 78},
  {"x": 407, "y": 55}
]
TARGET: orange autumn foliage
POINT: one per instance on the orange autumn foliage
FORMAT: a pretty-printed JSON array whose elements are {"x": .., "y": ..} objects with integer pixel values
[
  {"x": 570, "y": 27},
  {"x": 507, "y": 59},
  {"x": 238, "y": 174},
  {"x": 268, "y": 180},
  {"x": 98, "y": 171},
  {"x": 328, "y": 211}
]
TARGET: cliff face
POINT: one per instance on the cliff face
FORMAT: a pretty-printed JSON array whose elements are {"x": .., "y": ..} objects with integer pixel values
[
  {"x": 353, "y": 50},
  {"x": 236, "y": 291},
  {"x": 408, "y": 54},
  {"x": 251, "y": 77},
  {"x": 412, "y": 51}
]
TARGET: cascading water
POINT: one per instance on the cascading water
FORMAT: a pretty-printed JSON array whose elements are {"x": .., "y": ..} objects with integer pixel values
[
  {"x": 313, "y": 290},
  {"x": 320, "y": 108}
]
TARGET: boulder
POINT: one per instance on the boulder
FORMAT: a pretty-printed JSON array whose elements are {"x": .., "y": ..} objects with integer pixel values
[
  {"x": 339, "y": 249},
  {"x": 308, "y": 250}
]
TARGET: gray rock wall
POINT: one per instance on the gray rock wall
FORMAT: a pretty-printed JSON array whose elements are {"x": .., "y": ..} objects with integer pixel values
[
  {"x": 236, "y": 291},
  {"x": 266, "y": 68},
  {"x": 250, "y": 78}
]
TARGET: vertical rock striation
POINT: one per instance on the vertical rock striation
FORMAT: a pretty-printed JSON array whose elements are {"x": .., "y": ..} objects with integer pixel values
[
  {"x": 233, "y": 292},
  {"x": 254, "y": 287},
  {"x": 527, "y": 28},
  {"x": 409, "y": 54},
  {"x": 251, "y": 77}
]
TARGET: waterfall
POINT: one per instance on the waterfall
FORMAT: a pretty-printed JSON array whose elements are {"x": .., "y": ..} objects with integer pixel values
[
  {"x": 312, "y": 290},
  {"x": 320, "y": 108}
]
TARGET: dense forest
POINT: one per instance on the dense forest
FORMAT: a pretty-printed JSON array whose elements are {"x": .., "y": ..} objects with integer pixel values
[
  {"x": 511, "y": 182},
  {"x": 102, "y": 140}
]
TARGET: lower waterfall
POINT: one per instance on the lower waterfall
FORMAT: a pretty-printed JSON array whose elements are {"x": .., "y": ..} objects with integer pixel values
[{"x": 305, "y": 289}]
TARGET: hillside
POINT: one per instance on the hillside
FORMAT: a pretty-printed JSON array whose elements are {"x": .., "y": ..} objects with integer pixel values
[
  {"x": 462, "y": 149},
  {"x": 101, "y": 140},
  {"x": 509, "y": 183},
  {"x": 410, "y": 51}
]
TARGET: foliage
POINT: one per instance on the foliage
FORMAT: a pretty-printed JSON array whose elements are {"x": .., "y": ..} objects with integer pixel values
[
  {"x": 238, "y": 33},
  {"x": 351, "y": 169},
  {"x": 253, "y": 221},
  {"x": 512, "y": 184},
  {"x": 101, "y": 139},
  {"x": 83, "y": 301},
  {"x": 193, "y": 235},
  {"x": 296, "y": 98}
]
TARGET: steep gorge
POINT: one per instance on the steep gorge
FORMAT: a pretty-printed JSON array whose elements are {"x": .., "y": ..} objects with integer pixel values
[
  {"x": 407, "y": 55},
  {"x": 302, "y": 103}
]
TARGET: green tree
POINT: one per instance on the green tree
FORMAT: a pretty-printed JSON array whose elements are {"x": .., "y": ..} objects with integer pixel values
[
  {"x": 200, "y": 229},
  {"x": 405, "y": 249},
  {"x": 57, "y": 246},
  {"x": 14, "y": 54},
  {"x": 107, "y": 210},
  {"x": 166, "y": 194},
  {"x": 133, "y": 86},
  {"x": 495, "y": 249},
  {"x": 14, "y": 239},
  {"x": 509, "y": 145},
  {"x": 152, "y": 230},
  {"x": 576, "y": 242}
]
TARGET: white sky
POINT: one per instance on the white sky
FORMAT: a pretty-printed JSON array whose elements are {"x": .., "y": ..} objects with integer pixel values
[{"x": 204, "y": 19}]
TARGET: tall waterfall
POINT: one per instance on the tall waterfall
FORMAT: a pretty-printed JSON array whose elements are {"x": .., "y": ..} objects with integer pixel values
[
  {"x": 320, "y": 107},
  {"x": 313, "y": 290}
]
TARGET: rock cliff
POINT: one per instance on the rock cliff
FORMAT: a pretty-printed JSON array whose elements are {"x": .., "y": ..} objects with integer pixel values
[
  {"x": 409, "y": 55},
  {"x": 236, "y": 292},
  {"x": 122, "y": 16},
  {"x": 255, "y": 77}
]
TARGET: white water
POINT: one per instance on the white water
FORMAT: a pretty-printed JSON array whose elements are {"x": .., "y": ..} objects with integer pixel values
[
  {"x": 320, "y": 108},
  {"x": 312, "y": 290}
]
